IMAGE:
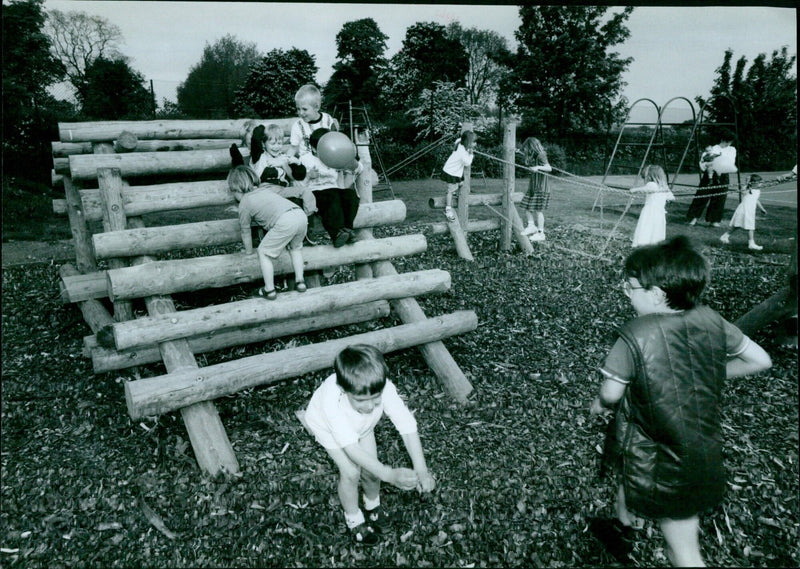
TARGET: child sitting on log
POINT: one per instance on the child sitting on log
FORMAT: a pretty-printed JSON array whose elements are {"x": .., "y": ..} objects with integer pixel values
[
  {"x": 284, "y": 222},
  {"x": 342, "y": 415},
  {"x": 337, "y": 206}
]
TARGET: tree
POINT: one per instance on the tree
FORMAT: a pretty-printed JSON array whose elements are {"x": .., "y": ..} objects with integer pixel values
[
  {"x": 427, "y": 55},
  {"x": 443, "y": 109},
  {"x": 78, "y": 39},
  {"x": 487, "y": 52},
  {"x": 112, "y": 90},
  {"x": 270, "y": 87},
  {"x": 360, "y": 46},
  {"x": 28, "y": 69},
  {"x": 762, "y": 100},
  {"x": 210, "y": 89},
  {"x": 564, "y": 77}
]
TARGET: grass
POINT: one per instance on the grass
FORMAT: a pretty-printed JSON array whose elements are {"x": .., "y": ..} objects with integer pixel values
[{"x": 83, "y": 485}]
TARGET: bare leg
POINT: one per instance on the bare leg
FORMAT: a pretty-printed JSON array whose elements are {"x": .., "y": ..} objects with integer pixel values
[
  {"x": 297, "y": 263},
  {"x": 540, "y": 220},
  {"x": 349, "y": 474},
  {"x": 451, "y": 191},
  {"x": 267, "y": 270},
  {"x": 683, "y": 541},
  {"x": 369, "y": 482},
  {"x": 624, "y": 516}
]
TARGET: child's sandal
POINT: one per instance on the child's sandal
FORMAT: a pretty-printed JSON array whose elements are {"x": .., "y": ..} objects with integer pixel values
[
  {"x": 300, "y": 286},
  {"x": 268, "y": 294}
]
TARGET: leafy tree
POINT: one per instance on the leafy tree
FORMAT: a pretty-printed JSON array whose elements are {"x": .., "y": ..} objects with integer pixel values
[
  {"x": 762, "y": 100},
  {"x": 210, "y": 89},
  {"x": 427, "y": 55},
  {"x": 441, "y": 111},
  {"x": 360, "y": 46},
  {"x": 114, "y": 91},
  {"x": 564, "y": 77},
  {"x": 77, "y": 39},
  {"x": 270, "y": 87},
  {"x": 28, "y": 69},
  {"x": 488, "y": 52}
]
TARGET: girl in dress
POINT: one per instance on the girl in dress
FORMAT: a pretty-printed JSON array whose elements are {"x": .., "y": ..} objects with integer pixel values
[
  {"x": 745, "y": 215},
  {"x": 652, "y": 225},
  {"x": 538, "y": 197}
]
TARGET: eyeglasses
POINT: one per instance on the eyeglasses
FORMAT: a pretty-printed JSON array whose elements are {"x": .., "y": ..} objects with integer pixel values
[{"x": 627, "y": 287}]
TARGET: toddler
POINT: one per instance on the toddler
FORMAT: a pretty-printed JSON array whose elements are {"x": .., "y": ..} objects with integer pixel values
[
  {"x": 453, "y": 169},
  {"x": 652, "y": 225},
  {"x": 664, "y": 377},
  {"x": 744, "y": 216},
  {"x": 342, "y": 415},
  {"x": 284, "y": 222},
  {"x": 308, "y": 100}
]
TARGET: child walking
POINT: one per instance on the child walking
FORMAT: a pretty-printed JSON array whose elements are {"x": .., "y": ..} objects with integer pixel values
[
  {"x": 665, "y": 444},
  {"x": 308, "y": 100},
  {"x": 342, "y": 415},
  {"x": 453, "y": 169},
  {"x": 744, "y": 217},
  {"x": 537, "y": 198},
  {"x": 284, "y": 222},
  {"x": 652, "y": 225}
]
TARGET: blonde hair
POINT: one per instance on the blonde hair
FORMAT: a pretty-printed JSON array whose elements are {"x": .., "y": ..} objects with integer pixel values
[
  {"x": 532, "y": 148},
  {"x": 310, "y": 94},
  {"x": 242, "y": 179},
  {"x": 655, "y": 173},
  {"x": 275, "y": 131}
]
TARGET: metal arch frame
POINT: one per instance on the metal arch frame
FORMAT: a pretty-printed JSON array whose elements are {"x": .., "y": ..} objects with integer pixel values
[{"x": 690, "y": 139}]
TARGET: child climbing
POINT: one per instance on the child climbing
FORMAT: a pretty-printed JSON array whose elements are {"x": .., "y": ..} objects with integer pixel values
[
  {"x": 537, "y": 198},
  {"x": 652, "y": 225},
  {"x": 453, "y": 169},
  {"x": 342, "y": 415}
]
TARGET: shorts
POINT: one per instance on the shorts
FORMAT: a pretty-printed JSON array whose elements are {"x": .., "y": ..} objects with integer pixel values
[
  {"x": 451, "y": 179},
  {"x": 288, "y": 232}
]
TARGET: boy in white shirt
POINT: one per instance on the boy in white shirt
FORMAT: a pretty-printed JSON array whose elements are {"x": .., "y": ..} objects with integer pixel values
[
  {"x": 342, "y": 415},
  {"x": 308, "y": 100}
]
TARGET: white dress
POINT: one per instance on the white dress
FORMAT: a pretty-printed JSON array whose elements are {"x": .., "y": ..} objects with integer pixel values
[
  {"x": 745, "y": 214},
  {"x": 652, "y": 225}
]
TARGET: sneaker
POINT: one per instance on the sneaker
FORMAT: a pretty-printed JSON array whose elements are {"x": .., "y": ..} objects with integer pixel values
[
  {"x": 725, "y": 238},
  {"x": 693, "y": 222},
  {"x": 342, "y": 237},
  {"x": 300, "y": 286},
  {"x": 449, "y": 213},
  {"x": 530, "y": 230},
  {"x": 615, "y": 537},
  {"x": 753, "y": 247},
  {"x": 378, "y": 519},
  {"x": 538, "y": 236},
  {"x": 363, "y": 534}
]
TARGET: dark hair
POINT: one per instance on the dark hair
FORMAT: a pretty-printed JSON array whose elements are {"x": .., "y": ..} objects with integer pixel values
[
  {"x": 753, "y": 179},
  {"x": 361, "y": 370},
  {"x": 675, "y": 267},
  {"x": 316, "y": 135}
]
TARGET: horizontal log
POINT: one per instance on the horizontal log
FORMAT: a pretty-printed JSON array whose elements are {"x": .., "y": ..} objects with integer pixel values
[
  {"x": 98, "y": 131},
  {"x": 141, "y": 200},
  {"x": 106, "y": 359},
  {"x": 64, "y": 149},
  {"x": 57, "y": 181},
  {"x": 155, "y": 240},
  {"x": 217, "y": 271},
  {"x": 158, "y": 395},
  {"x": 473, "y": 226},
  {"x": 476, "y": 199},
  {"x": 85, "y": 166},
  {"x": 77, "y": 288},
  {"x": 94, "y": 313},
  {"x": 61, "y": 166},
  {"x": 152, "y": 329}
]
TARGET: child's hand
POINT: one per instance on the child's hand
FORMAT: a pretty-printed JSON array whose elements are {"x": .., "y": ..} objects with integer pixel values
[
  {"x": 597, "y": 409},
  {"x": 403, "y": 478},
  {"x": 425, "y": 482},
  {"x": 232, "y": 209}
]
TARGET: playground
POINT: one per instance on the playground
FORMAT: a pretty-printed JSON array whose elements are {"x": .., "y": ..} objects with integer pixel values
[{"x": 98, "y": 473}]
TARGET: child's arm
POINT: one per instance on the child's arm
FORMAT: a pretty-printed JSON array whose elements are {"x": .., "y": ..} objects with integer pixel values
[
  {"x": 611, "y": 391},
  {"x": 403, "y": 478},
  {"x": 752, "y": 359},
  {"x": 761, "y": 207},
  {"x": 244, "y": 225},
  {"x": 414, "y": 448}
]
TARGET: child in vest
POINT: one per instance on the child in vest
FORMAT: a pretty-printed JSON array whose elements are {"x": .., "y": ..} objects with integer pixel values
[
  {"x": 453, "y": 169},
  {"x": 308, "y": 100},
  {"x": 744, "y": 217},
  {"x": 342, "y": 415},
  {"x": 664, "y": 377},
  {"x": 284, "y": 222},
  {"x": 337, "y": 206}
]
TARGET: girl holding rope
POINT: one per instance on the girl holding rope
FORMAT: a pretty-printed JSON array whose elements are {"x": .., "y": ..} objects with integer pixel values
[
  {"x": 652, "y": 225},
  {"x": 453, "y": 169},
  {"x": 538, "y": 195}
]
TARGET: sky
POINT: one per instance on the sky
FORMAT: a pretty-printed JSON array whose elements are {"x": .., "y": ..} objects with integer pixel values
[{"x": 676, "y": 49}]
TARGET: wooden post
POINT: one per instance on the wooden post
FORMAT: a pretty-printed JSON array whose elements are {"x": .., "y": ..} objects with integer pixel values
[
  {"x": 460, "y": 239},
  {"x": 464, "y": 192},
  {"x": 509, "y": 180},
  {"x": 81, "y": 238},
  {"x": 364, "y": 188},
  {"x": 114, "y": 219}
]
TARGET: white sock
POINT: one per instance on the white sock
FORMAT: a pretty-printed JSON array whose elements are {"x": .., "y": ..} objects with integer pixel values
[
  {"x": 354, "y": 520},
  {"x": 372, "y": 504}
]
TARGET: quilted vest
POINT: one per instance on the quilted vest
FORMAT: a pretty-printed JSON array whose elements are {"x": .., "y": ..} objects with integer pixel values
[{"x": 668, "y": 429}]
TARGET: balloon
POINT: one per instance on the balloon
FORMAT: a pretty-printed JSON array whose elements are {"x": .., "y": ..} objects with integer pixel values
[{"x": 336, "y": 150}]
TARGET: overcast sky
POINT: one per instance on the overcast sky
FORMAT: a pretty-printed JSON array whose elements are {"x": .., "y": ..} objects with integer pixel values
[{"x": 675, "y": 49}]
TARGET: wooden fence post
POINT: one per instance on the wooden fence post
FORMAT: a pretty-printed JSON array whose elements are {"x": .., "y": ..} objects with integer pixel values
[{"x": 509, "y": 181}]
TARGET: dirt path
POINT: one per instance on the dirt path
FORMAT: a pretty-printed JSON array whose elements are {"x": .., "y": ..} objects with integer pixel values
[{"x": 28, "y": 252}]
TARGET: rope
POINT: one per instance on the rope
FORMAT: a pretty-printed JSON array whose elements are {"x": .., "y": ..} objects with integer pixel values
[{"x": 415, "y": 155}]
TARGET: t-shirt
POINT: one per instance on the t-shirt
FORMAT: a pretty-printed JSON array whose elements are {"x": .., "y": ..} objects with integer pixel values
[
  {"x": 619, "y": 364},
  {"x": 336, "y": 424},
  {"x": 328, "y": 177},
  {"x": 300, "y": 132},
  {"x": 263, "y": 206}
]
